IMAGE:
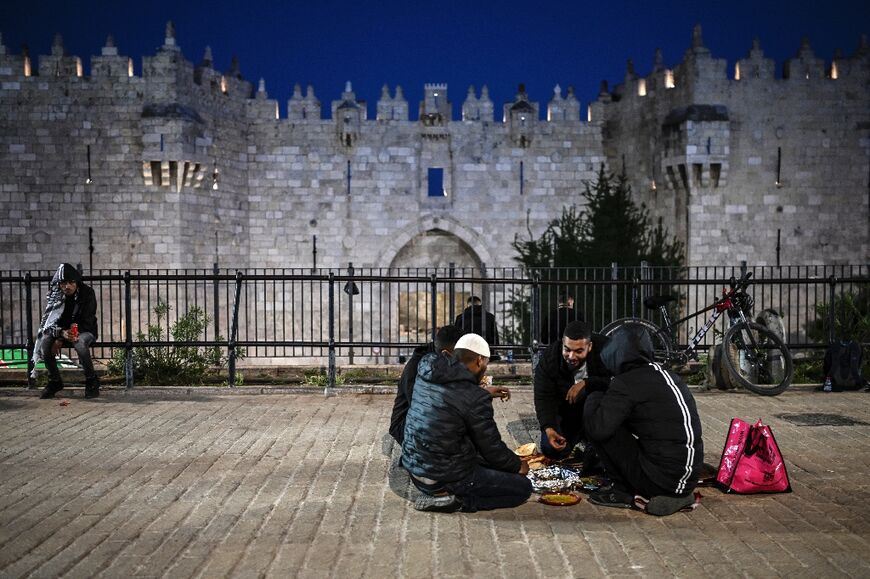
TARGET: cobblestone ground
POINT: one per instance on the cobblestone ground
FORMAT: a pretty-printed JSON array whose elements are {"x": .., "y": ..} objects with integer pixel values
[{"x": 299, "y": 485}]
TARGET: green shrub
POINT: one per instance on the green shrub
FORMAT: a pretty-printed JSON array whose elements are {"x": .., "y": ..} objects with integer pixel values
[
  {"x": 321, "y": 378},
  {"x": 182, "y": 365},
  {"x": 851, "y": 318}
]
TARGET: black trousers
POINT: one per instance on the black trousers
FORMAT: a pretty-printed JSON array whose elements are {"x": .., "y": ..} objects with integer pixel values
[{"x": 620, "y": 456}]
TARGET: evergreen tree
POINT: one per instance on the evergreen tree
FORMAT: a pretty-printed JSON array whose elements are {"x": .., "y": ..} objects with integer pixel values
[{"x": 609, "y": 228}]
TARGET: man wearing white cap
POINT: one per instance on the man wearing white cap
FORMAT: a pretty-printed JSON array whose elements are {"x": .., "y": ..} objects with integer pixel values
[{"x": 450, "y": 430}]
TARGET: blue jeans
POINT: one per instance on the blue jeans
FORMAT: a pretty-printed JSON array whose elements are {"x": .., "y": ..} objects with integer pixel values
[
  {"x": 82, "y": 347},
  {"x": 486, "y": 489}
]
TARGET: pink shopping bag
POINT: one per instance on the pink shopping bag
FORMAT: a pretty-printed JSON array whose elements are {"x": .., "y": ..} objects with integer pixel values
[{"x": 751, "y": 461}]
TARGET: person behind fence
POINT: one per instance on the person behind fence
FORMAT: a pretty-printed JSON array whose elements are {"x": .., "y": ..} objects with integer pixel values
[
  {"x": 565, "y": 371},
  {"x": 645, "y": 427},
  {"x": 69, "y": 319},
  {"x": 452, "y": 446},
  {"x": 558, "y": 319},
  {"x": 476, "y": 319}
]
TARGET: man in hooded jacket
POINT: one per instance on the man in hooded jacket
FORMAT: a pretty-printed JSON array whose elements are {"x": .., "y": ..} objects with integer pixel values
[
  {"x": 452, "y": 446},
  {"x": 645, "y": 427},
  {"x": 70, "y": 301}
]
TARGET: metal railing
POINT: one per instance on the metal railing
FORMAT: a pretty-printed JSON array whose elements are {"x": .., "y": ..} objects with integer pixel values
[{"x": 378, "y": 315}]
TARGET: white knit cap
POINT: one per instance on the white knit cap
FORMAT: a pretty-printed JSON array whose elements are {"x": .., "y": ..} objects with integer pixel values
[{"x": 473, "y": 343}]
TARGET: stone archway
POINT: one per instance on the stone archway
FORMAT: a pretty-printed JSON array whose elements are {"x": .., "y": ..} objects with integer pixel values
[
  {"x": 433, "y": 251},
  {"x": 436, "y": 248},
  {"x": 442, "y": 229}
]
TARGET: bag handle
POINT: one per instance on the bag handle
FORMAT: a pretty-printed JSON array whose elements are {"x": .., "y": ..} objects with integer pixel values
[{"x": 754, "y": 439}]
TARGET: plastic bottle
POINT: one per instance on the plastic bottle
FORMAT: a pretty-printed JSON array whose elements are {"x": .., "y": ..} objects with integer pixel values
[{"x": 829, "y": 386}]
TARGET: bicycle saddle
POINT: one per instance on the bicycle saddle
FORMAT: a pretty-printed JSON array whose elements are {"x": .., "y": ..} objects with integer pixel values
[{"x": 655, "y": 302}]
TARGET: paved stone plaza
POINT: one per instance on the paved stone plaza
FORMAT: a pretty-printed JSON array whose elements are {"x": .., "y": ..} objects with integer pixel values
[{"x": 211, "y": 484}]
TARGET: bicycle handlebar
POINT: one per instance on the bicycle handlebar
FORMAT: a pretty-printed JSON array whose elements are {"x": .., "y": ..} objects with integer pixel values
[{"x": 739, "y": 284}]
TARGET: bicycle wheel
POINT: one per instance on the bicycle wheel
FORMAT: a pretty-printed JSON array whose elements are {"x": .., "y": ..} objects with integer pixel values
[
  {"x": 757, "y": 359},
  {"x": 661, "y": 342}
]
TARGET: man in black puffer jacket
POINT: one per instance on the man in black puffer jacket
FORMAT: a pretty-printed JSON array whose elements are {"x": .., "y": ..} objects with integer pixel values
[
  {"x": 452, "y": 446},
  {"x": 646, "y": 429},
  {"x": 445, "y": 340}
]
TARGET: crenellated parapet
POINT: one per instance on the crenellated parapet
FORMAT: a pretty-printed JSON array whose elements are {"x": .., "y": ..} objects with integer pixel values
[
  {"x": 478, "y": 109},
  {"x": 704, "y": 148},
  {"x": 393, "y": 108},
  {"x": 183, "y": 152}
]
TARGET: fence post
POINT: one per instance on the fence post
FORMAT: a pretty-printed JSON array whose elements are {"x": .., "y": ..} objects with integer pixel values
[
  {"x": 330, "y": 373},
  {"x": 433, "y": 290},
  {"x": 234, "y": 329},
  {"x": 128, "y": 332},
  {"x": 216, "y": 310},
  {"x": 614, "y": 294},
  {"x": 831, "y": 309},
  {"x": 28, "y": 293},
  {"x": 451, "y": 296},
  {"x": 535, "y": 314},
  {"x": 645, "y": 275},
  {"x": 635, "y": 286},
  {"x": 349, "y": 289}
]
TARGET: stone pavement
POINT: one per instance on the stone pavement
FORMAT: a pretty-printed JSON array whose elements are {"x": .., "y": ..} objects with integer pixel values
[{"x": 210, "y": 484}]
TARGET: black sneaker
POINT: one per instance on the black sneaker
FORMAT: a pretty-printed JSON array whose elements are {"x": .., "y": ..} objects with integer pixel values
[
  {"x": 439, "y": 504},
  {"x": 612, "y": 497},
  {"x": 663, "y": 505},
  {"x": 92, "y": 387},
  {"x": 51, "y": 389}
]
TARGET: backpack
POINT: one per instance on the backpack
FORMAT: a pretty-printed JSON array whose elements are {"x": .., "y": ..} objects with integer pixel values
[{"x": 843, "y": 365}]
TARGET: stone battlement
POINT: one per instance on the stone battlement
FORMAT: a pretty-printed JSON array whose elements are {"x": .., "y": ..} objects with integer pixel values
[{"x": 182, "y": 162}]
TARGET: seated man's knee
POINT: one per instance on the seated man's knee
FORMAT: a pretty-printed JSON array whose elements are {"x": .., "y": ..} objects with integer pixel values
[
  {"x": 48, "y": 348},
  {"x": 83, "y": 345}
]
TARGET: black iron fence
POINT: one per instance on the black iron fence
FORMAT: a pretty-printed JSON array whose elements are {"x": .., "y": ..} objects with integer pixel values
[{"x": 377, "y": 315}]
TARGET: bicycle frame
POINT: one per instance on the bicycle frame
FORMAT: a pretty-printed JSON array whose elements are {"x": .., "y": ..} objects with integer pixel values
[{"x": 719, "y": 306}]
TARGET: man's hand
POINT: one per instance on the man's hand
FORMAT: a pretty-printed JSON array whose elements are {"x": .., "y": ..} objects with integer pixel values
[
  {"x": 68, "y": 336},
  {"x": 55, "y": 347},
  {"x": 524, "y": 467},
  {"x": 499, "y": 392},
  {"x": 555, "y": 439},
  {"x": 574, "y": 392}
]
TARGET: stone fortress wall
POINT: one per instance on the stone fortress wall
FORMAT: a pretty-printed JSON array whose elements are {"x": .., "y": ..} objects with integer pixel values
[{"x": 167, "y": 165}]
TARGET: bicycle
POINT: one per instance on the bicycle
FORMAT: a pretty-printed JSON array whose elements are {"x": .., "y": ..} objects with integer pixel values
[{"x": 756, "y": 357}]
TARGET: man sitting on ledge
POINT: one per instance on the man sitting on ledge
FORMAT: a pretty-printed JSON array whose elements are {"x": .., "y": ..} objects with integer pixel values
[{"x": 450, "y": 430}]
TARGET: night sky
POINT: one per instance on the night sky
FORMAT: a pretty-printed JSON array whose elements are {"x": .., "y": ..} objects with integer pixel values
[{"x": 501, "y": 44}]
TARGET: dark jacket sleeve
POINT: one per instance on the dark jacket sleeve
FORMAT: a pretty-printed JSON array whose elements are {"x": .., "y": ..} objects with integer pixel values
[
  {"x": 487, "y": 439},
  {"x": 403, "y": 400},
  {"x": 547, "y": 396},
  {"x": 86, "y": 316},
  {"x": 604, "y": 412}
]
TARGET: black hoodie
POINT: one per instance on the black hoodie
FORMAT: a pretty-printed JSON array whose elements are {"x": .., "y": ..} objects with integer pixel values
[
  {"x": 474, "y": 319},
  {"x": 450, "y": 427},
  {"x": 653, "y": 404}
]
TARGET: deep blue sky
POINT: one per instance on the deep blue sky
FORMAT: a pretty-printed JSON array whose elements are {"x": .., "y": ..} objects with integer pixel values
[{"x": 498, "y": 43}]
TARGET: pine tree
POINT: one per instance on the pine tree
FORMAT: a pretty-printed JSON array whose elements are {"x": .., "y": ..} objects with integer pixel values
[{"x": 610, "y": 228}]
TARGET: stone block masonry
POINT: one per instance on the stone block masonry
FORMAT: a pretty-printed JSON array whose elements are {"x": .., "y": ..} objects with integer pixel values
[{"x": 167, "y": 165}]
